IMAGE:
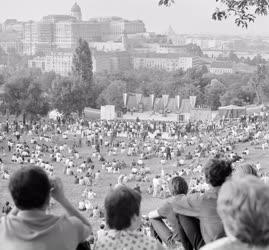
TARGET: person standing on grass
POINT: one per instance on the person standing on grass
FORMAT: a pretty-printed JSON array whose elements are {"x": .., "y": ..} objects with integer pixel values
[{"x": 29, "y": 227}]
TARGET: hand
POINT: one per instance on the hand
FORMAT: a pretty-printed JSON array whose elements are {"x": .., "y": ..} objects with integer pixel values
[
  {"x": 57, "y": 191},
  {"x": 14, "y": 211}
]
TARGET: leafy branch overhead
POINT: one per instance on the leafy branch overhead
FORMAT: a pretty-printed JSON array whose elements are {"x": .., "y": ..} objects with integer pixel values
[{"x": 244, "y": 11}]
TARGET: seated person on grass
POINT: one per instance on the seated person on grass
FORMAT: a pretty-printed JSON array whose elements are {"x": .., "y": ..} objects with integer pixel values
[
  {"x": 197, "y": 213},
  {"x": 178, "y": 187}
]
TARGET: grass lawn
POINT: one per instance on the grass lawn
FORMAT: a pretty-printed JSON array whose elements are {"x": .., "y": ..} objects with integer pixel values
[{"x": 73, "y": 192}]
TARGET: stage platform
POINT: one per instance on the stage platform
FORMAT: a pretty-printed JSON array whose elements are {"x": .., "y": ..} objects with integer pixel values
[{"x": 150, "y": 116}]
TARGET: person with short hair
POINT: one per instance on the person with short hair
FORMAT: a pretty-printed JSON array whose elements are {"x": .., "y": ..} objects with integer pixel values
[
  {"x": 243, "y": 205},
  {"x": 197, "y": 212},
  {"x": 28, "y": 226},
  {"x": 123, "y": 218},
  {"x": 245, "y": 169},
  {"x": 178, "y": 187}
]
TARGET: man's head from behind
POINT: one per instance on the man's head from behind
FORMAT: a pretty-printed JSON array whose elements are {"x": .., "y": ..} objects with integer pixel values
[
  {"x": 216, "y": 171},
  {"x": 30, "y": 188},
  {"x": 178, "y": 185}
]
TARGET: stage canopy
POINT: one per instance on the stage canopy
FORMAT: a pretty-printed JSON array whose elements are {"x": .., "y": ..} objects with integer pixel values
[{"x": 232, "y": 111}]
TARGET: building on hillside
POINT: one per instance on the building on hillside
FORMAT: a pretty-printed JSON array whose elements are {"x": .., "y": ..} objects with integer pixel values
[
  {"x": 168, "y": 62},
  {"x": 76, "y": 12},
  {"x": 11, "y": 41},
  {"x": 111, "y": 61},
  {"x": 69, "y": 32},
  {"x": 63, "y": 31},
  {"x": 173, "y": 38},
  {"x": 221, "y": 67},
  {"x": 12, "y": 25},
  {"x": 38, "y": 37},
  {"x": 107, "y": 46},
  {"x": 61, "y": 62},
  {"x": 117, "y": 28},
  {"x": 168, "y": 49}
]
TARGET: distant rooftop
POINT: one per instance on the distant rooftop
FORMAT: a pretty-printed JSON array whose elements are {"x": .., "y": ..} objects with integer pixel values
[
  {"x": 57, "y": 18},
  {"x": 162, "y": 55},
  {"x": 222, "y": 65},
  {"x": 11, "y": 21},
  {"x": 111, "y": 19}
]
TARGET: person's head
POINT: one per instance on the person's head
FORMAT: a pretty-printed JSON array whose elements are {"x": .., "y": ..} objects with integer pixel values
[
  {"x": 178, "y": 185},
  {"x": 243, "y": 205},
  {"x": 30, "y": 188},
  {"x": 216, "y": 171},
  {"x": 122, "y": 206},
  {"x": 245, "y": 169}
]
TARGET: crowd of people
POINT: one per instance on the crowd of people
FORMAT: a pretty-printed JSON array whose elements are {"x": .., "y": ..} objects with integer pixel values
[{"x": 212, "y": 198}]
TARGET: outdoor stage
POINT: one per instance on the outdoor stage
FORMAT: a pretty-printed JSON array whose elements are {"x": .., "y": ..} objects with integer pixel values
[{"x": 149, "y": 116}]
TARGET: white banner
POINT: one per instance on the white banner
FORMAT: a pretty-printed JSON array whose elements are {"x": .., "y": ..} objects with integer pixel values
[
  {"x": 125, "y": 95},
  {"x": 165, "y": 100},
  {"x": 152, "y": 99},
  {"x": 193, "y": 101},
  {"x": 138, "y": 98},
  {"x": 177, "y": 101}
]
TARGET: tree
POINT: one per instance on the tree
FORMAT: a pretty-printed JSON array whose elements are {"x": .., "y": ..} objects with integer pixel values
[
  {"x": 194, "y": 49},
  {"x": 213, "y": 92},
  {"x": 2, "y": 79},
  {"x": 257, "y": 82},
  {"x": 239, "y": 95},
  {"x": 24, "y": 96},
  {"x": 68, "y": 96},
  {"x": 244, "y": 11},
  {"x": 37, "y": 102},
  {"x": 257, "y": 60},
  {"x": 3, "y": 56},
  {"x": 82, "y": 63},
  {"x": 233, "y": 57},
  {"x": 113, "y": 95},
  {"x": 46, "y": 80}
]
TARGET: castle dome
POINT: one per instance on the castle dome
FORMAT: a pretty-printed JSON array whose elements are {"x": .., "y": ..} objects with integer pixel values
[
  {"x": 75, "y": 8},
  {"x": 76, "y": 12}
]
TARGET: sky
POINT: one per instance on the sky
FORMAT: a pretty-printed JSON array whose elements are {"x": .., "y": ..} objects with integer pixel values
[{"x": 185, "y": 16}]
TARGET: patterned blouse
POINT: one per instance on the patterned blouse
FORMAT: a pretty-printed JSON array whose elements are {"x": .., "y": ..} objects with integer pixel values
[{"x": 126, "y": 240}]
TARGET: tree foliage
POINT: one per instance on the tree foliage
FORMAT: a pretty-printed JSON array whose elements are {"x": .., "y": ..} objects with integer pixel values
[
  {"x": 24, "y": 96},
  {"x": 244, "y": 11},
  {"x": 113, "y": 94},
  {"x": 82, "y": 63},
  {"x": 259, "y": 82},
  {"x": 68, "y": 96}
]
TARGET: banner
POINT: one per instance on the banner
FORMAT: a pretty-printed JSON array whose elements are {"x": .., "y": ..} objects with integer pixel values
[
  {"x": 165, "y": 100},
  {"x": 178, "y": 101},
  {"x": 125, "y": 95},
  {"x": 152, "y": 99},
  {"x": 193, "y": 101},
  {"x": 138, "y": 98}
]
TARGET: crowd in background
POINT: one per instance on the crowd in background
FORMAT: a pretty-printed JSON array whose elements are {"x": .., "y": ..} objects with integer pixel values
[{"x": 213, "y": 199}]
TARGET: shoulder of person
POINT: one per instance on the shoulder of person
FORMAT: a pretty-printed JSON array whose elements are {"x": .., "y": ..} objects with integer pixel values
[{"x": 223, "y": 244}]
